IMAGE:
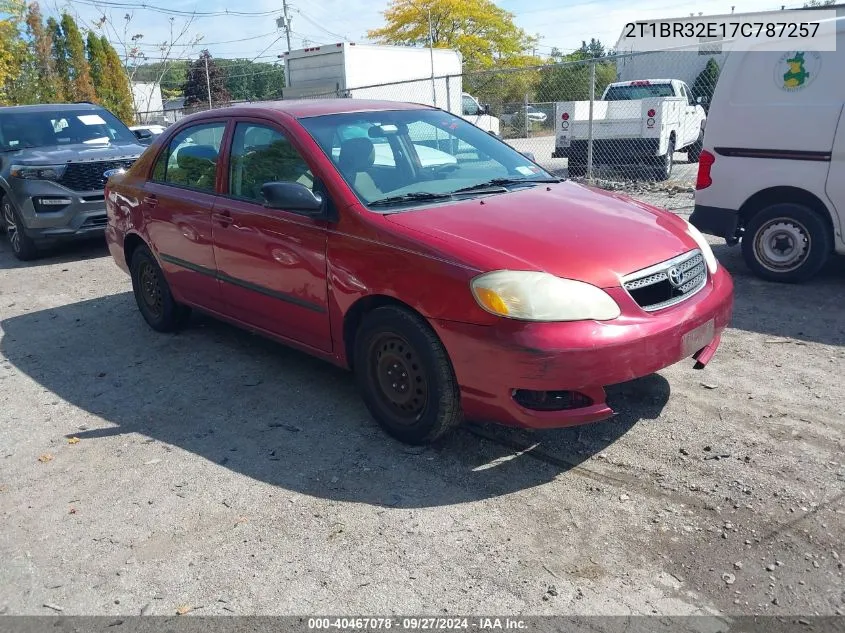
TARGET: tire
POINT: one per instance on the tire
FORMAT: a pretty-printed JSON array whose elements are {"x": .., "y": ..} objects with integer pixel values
[
  {"x": 786, "y": 242},
  {"x": 694, "y": 151},
  {"x": 577, "y": 170},
  {"x": 667, "y": 162},
  {"x": 21, "y": 244},
  {"x": 152, "y": 294},
  {"x": 405, "y": 376}
]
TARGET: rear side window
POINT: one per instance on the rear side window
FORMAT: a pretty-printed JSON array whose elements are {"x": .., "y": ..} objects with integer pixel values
[{"x": 190, "y": 159}]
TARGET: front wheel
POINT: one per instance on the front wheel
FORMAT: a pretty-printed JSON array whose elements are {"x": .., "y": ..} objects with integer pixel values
[
  {"x": 405, "y": 376},
  {"x": 786, "y": 242},
  {"x": 152, "y": 293},
  {"x": 22, "y": 245}
]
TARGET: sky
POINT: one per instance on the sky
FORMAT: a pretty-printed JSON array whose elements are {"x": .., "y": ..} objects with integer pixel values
[{"x": 558, "y": 23}]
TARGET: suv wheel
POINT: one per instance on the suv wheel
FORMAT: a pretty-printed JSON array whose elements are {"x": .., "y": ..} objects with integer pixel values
[
  {"x": 22, "y": 245},
  {"x": 152, "y": 293}
]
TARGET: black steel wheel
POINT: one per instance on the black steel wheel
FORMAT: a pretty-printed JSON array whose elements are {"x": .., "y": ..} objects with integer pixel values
[
  {"x": 405, "y": 376},
  {"x": 152, "y": 293}
]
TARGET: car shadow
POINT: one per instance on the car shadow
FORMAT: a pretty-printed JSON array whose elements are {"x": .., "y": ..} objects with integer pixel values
[
  {"x": 62, "y": 253},
  {"x": 812, "y": 311},
  {"x": 279, "y": 416}
]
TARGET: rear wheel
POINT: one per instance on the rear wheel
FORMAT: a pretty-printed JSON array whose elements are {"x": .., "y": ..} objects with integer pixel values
[
  {"x": 22, "y": 245},
  {"x": 152, "y": 293},
  {"x": 786, "y": 242},
  {"x": 405, "y": 376},
  {"x": 667, "y": 162}
]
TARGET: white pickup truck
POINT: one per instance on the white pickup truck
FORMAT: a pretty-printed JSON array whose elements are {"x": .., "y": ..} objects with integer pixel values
[{"x": 634, "y": 123}]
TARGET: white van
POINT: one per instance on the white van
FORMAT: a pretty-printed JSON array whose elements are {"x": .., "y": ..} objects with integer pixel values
[{"x": 772, "y": 169}]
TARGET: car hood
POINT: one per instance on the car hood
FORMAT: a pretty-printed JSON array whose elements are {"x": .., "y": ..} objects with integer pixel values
[
  {"x": 566, "y": 229},
  {"x": 78, "y": 152}
]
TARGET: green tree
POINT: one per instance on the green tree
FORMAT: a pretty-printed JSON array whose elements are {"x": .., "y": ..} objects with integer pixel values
[
  {"x": 13, "y": 49},
  {"x": 819, "y": 3},
  {"x": 45, "y": 78},
  {"x": 82, "y": 88},
  {"x": 98, "y": 66},
  {"x": 60, "y": 60},
  {"x": 116, "y": 83},
  {"x": 198, "y": 81},
  {"x": 483, "y": 32},
  {"x": 705, "y": 83},
  {"x": 569, "y": 80}
]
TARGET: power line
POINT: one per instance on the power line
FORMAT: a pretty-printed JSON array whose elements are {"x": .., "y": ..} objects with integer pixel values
[
  {"x": 319, "y": 26},
  {"x": 203, "y": 43},
  {"x": 156, "y": 9}
]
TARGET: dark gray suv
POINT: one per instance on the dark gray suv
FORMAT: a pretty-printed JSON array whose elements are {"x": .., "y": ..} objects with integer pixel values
[{"x": 54, "y": 162}]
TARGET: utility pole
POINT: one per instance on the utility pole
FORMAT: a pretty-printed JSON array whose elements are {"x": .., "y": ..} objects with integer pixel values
[
  {"x": 431, "y": 55},
  {"x": 286, "y": 22},
  {"x": 208, "y": 82}
]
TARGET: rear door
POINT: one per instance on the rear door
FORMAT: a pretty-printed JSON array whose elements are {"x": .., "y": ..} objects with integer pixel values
[
  {"x": 178, "y": 200},
  {"x": 271, "y": 263}
]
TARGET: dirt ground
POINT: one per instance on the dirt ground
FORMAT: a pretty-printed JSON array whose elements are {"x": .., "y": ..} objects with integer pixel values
[{"x": 218, "y": 473}]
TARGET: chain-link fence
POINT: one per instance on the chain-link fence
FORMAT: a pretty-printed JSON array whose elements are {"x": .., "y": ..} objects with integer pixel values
[{"x": 574, "y": 118}]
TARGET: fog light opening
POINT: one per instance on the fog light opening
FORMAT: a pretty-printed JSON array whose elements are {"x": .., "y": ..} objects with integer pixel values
[{"x": 551, "y": 400}]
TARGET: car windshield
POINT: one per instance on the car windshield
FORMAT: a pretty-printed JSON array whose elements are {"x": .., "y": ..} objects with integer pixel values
[
  {"x": 639, "y": 91},
  {"x": 401, "y": 158},
  {"x": 19, "y": 130}
]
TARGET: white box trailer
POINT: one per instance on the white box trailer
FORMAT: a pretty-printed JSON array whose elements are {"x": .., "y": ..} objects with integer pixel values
[{"x": 393, "y": 73}]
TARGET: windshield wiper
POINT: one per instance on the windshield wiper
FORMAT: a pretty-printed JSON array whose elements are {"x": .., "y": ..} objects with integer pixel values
[
  {"x": 501, "y": 182},
  {"x": 410, "y": 197}
]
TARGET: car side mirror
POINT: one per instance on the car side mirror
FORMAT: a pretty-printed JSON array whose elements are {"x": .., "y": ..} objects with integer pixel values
[
  {"x": 292, "y": 196},
  {"x": 143, "y": 134},
  {"x": 484, "y": 109},
  {"x": 699, "y": 100},
  {"x": 529, "y": 156}
]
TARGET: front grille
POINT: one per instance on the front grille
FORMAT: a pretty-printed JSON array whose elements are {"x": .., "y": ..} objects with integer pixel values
[
  {"x": 88, "y": 176},
  {"x": 667, "y": 283}
]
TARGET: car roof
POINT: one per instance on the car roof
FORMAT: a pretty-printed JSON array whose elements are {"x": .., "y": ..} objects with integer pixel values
[
  {"x": 303, "y": 108},
  {"x": 52, "y": 107}
]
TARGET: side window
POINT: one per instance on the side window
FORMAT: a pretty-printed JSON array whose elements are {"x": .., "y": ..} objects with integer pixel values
[
  {"x": 261, "y": 154},
  {"x": 688, "y": 94},
  {"x": 190, "y": 160},
  {"x": 470, "y": 107}
]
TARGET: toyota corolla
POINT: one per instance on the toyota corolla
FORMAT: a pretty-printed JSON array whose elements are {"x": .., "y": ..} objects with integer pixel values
[{"x": 475, "y": 286}]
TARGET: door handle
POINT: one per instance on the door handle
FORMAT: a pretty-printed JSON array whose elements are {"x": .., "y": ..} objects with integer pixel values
[
  {"x": 150, "y": 200},
  {"x": 223, "y": 218}
]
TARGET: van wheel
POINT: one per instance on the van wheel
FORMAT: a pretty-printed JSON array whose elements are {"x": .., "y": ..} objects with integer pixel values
[
  {"x": 22, "y": 245},
  {"x": 405, "y": 376},
  {"x": 152, "y": 293},
  {"x": 694, "y": 151},
  {"x": 668, "y": 161},
  {"x": 786, "y": 242}
]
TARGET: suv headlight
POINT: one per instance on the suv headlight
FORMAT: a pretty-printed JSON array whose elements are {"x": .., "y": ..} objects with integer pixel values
[
  {"x": 539, "y": 296},
  {"x": 38, "y": 172},
  {"x": 706, "y": 251}
]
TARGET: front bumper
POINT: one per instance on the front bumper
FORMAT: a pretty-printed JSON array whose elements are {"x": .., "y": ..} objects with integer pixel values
[
  {"x": 83, "y": 217},
  {"x": 490, "y": 363}
]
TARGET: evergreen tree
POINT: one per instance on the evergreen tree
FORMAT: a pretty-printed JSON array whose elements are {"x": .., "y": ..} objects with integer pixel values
[
  {"x": 98, "y": 66},
  {"x": 48, "y": 88},
  {"x": 705, "y": 83},
  {"x": 116, "y": 84},
  {"x": 82, "y": 88},
  {"x": 60, "y": 60},
  {"x": 197, "y": 83}
]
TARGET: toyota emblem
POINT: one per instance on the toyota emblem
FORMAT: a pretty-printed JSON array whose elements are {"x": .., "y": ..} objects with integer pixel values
[{"x": 677, "y": 277}]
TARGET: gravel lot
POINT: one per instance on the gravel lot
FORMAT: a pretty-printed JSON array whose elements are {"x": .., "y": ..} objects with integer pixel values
[{"x": 218, "y": 473}]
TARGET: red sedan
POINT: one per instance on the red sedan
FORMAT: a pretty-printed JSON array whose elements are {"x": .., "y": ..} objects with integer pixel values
[{"x": 453, "y": 275}]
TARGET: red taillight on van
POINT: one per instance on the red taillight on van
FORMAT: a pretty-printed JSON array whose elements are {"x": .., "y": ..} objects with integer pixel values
[{"x": 705, "y": 163}]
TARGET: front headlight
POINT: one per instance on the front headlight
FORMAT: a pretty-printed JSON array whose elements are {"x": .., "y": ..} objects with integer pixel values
[
  {"x": 538, "y": 296},
  {"x": 38, "y": 172},
  {"x": 706, "y": 251}
]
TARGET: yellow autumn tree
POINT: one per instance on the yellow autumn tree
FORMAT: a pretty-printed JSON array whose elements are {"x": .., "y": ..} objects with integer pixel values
[
  {"x": 484, "y": 33},
  {"x": 12, "y": 48}
]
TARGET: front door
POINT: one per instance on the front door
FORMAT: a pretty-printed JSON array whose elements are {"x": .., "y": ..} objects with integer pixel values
[
  {"x": 178, "y": 201},
  {"x": 835, "y": 188},
  {"x": 271, "y": 263}
]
